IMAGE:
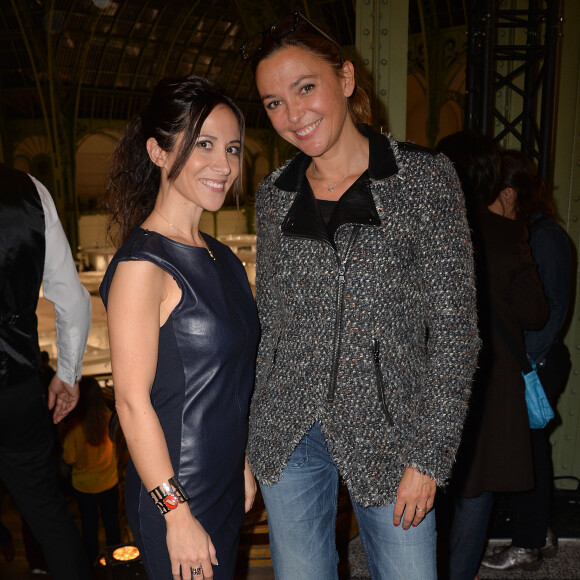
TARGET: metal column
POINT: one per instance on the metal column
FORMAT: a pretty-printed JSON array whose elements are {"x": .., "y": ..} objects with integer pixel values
[
  {"x": 523, "y": 62},
  {"x": 382, "y": 41}
]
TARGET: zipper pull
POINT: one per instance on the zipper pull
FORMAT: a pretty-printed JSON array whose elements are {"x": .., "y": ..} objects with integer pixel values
[{"x": 341, "y": 271}]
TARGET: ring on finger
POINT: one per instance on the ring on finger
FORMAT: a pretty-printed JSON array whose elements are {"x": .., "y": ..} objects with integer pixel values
[
  {"x": 196, "y": 571},
  {"x": 421, "y": 509}
]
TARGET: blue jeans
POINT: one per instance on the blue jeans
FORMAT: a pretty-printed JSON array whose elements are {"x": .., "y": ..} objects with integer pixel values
[{"x": 301, "y": 510}]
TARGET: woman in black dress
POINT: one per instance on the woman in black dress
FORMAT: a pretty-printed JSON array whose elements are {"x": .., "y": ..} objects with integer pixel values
[{"x": 183, "y": 332}]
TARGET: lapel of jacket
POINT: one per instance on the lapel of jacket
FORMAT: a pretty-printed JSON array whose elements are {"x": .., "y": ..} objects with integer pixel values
[
  {"x": 303, "y": 219},
  {"x": 358, "y": 207}
]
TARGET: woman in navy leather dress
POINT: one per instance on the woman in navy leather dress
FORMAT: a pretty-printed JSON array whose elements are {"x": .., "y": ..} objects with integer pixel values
[{"x": 183, "y": 332}]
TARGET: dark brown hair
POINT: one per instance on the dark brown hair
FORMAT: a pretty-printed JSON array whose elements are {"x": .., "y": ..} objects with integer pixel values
[
  {"x": 477, "y": 161},
  {"x": 307, "y": 38},
  {"x": 91, "y": 412},
  {"x": 518, "y": 172},
  {"x": 176, "y": 106}
]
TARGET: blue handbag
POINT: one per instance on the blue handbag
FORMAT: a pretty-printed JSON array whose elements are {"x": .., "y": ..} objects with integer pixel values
[{"x": 540, "y": 413}]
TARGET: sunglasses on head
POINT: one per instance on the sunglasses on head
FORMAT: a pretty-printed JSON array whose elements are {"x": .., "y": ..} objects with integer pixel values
[{"x": 253, "y": 46}]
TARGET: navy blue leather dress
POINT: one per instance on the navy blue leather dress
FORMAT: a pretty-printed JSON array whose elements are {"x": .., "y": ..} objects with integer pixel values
[{"x": 201, "y": 394}]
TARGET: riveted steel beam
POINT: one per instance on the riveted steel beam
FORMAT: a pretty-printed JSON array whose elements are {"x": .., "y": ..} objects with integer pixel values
[
  {"x": 512, "y": 67},
  {"x": 381, "y": 42}
]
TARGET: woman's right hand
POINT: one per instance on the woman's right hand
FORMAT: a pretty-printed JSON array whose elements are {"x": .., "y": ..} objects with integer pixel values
[{"x": 189, "y": 545}]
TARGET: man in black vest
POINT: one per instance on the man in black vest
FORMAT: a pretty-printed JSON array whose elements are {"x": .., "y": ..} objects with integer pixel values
[{"x": 34, "y": 251}]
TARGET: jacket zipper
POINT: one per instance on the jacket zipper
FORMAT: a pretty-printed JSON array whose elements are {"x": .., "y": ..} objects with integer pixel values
[
  {"x": 339, "y": 310},
  {"x": 380, "y": 384}
]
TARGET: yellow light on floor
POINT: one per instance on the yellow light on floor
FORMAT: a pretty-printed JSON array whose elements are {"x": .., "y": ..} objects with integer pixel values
[{"x": 126, "y": 553}]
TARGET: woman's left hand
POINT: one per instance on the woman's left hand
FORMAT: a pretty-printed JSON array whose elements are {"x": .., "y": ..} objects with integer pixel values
[
  {"x": 250, "y": 488},
  {"x": 415, "y": 498}
]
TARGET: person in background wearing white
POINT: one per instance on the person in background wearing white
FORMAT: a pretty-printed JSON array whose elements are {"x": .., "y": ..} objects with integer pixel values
[{"x": 34, "y": 251}]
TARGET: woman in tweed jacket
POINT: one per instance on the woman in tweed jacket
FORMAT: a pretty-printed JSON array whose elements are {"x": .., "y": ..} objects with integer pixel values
[{"x": 367, "y": 306}]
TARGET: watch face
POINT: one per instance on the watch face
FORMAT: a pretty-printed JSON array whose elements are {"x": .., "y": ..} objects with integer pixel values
[{"x": 170, "y": 502}]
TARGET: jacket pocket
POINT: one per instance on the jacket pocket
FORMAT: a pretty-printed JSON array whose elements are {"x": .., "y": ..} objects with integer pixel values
[
  {"x": 380, "y": 381},
  {"x": 272, "y": 362}
]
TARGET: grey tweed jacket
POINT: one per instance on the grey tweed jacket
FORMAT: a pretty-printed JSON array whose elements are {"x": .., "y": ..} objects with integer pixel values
[{"x": 370, "y": 330}]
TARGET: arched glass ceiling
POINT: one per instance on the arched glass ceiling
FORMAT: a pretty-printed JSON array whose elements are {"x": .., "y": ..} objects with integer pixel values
[{"x": 101, "y": 58}]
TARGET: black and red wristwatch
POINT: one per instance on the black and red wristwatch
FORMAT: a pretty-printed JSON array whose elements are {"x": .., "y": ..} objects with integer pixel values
[{"x": 168, "y": 496}]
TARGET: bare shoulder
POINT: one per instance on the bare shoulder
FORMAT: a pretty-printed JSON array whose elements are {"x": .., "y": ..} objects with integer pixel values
[{"x": 139, "y": 280}]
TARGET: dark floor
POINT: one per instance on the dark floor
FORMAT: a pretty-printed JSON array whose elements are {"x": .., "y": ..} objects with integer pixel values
[
  {"x": 565, "y": 513},
  {"x": 18, "y": 568},
  {"x": 566, "y": 565}
]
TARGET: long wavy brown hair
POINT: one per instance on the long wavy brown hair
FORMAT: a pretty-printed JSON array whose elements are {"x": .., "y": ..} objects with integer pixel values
[{"x": 177, "y": 106}]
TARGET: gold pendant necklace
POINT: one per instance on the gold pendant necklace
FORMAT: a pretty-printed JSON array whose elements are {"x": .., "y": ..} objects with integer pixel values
[{"x": 186, "y": 236}]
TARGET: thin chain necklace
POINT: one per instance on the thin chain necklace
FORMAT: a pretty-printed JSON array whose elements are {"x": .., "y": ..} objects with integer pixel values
[
  {"x": 330, "y": 187},
  {"x": 185, "y": 235}
]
